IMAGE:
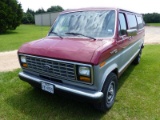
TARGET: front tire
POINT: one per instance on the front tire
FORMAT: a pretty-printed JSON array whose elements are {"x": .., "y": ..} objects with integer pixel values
[{"x": 109, "y": 90}]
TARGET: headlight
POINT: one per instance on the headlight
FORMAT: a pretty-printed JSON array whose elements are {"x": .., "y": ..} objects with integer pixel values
[
  {"x": 84, "y": 71},
  {"x": 23, "y": 59}
]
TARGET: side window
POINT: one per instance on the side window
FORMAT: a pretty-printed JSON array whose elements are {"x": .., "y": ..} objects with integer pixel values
[
  {"x": 122, "y": 24},
  {"x": 140, "y": 22},
  {"x": 132, "y": 22}
]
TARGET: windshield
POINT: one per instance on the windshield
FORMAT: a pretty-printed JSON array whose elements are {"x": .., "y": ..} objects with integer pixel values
[{"x": 95, "y": 24}]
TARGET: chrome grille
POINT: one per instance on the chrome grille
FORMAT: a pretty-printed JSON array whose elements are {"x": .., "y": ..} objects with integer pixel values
[{"x": 51, "y": 68}]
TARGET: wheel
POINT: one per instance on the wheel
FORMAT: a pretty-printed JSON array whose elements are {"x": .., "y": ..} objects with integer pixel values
[
  {"x": 109, "y": 90},
  {"x": 138, "y": 58}
]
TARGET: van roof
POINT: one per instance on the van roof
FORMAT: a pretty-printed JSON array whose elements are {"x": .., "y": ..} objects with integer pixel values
[{"x": 97, "y": 8}]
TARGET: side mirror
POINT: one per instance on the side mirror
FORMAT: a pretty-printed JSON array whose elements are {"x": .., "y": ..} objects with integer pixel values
[{"x": 132, "y": 32}]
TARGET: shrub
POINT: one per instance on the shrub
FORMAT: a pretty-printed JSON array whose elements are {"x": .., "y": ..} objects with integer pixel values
[{"x": 10, "y": 15}]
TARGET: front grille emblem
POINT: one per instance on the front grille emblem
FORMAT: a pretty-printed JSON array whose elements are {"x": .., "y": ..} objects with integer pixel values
[{"x": 47, "y": 67}]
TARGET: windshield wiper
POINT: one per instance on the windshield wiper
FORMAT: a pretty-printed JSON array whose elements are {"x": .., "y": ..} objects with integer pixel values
[
  {"x": 57, "y": 34},
  {"x": 73, "y": 33}
]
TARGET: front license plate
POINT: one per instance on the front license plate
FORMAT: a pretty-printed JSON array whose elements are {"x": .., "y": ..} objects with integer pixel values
[{"x": 47, "y": 87}]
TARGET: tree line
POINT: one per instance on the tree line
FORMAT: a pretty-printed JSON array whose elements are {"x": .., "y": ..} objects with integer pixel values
[
  {"x": 151, "y": 18},
  {"x": 28, "y": 16}
]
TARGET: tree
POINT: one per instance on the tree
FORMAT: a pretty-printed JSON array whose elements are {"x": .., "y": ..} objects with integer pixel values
[
  {"x": 41, "y": 10},
  {"x": 30, "y": 11},
  {"x": 151, "y": 18},
  {"x": 28, "y": 17},
  {"x": 55, "y": 9},
  {"x": 10, "y": 15}
]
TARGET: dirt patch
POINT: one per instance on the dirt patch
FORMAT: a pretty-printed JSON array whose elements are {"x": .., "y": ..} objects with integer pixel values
[
  {"x": 9, "y": 60},
  {"x": 152, "y": 35}
]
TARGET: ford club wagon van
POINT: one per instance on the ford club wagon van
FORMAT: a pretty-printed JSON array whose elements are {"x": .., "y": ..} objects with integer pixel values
[{"x": 84, "y": 53}]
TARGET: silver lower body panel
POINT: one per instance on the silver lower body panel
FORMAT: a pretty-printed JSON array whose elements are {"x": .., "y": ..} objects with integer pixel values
[{"x": 81, "y": 92}]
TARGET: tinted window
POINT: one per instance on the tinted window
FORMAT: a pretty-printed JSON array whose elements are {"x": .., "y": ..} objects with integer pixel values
[
  {"x": 122, "y": 24},
  {"x": 132, "y": 21},
  {"x": 140, "y": 22}
]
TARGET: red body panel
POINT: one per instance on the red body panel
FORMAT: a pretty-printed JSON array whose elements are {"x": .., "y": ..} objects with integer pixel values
[{"x": 72, "y": 49}]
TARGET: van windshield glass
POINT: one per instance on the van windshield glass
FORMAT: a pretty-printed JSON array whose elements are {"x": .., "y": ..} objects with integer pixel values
[{"x": 93, "y": 24}]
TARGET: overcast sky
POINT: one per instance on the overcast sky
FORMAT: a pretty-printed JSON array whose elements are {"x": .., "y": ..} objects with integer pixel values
[{"x": 140, "y": 6}]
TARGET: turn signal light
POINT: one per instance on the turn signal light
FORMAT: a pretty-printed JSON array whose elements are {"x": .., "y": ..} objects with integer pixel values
[
  {"x": 24, "y": 65},
  {"x": 85, "y": 79}
]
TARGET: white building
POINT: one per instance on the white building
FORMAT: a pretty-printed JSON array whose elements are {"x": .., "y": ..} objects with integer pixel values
[{"x": 45, "y": 19}]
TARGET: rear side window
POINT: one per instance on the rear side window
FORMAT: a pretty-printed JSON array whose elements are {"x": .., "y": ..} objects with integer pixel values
[
  {"x": 132, "y": 21},
  {"x": 140, "y": 22},
  {"x": 122, "y": 24}
]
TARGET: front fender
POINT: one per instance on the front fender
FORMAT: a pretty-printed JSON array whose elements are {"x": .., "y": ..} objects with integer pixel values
[{"x": 106, "y": 73}]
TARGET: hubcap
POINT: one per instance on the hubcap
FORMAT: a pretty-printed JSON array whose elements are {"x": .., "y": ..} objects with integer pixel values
[{"x": 110, "y": 93}]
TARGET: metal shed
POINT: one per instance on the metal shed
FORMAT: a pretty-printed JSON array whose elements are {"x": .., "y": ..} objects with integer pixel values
[{"x": 45, "y": 19}]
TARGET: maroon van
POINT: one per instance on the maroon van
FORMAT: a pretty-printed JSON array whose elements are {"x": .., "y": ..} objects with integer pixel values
[{"x": 84, "y": 53}]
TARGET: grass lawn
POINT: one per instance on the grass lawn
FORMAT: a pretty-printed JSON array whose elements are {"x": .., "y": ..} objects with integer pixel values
[
  {"x": 138, "y": 97},
  {"x": 153, "y": 24},
  {"x": 12, "y": 40}
]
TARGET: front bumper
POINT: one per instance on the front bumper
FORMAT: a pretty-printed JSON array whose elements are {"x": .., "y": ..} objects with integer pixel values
[{"x": 80, "y": 92}]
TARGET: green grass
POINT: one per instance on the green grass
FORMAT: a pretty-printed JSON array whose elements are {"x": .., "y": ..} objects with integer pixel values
[
  {"x": 138, "y": 97},
  {"x": 12, "y": 40},
  {"x": 153, "y": 24}
]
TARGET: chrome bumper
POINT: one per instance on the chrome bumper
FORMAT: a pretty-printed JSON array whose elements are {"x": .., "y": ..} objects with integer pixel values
[{"x": 95, "y": 95}]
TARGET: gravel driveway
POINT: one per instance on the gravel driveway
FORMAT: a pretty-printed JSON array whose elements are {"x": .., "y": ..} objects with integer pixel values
[
  {"x": 9, "y": 60},
  {"x": 152, "y": 35}
]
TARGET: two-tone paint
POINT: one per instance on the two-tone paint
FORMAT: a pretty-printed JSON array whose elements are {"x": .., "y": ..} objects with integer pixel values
[{"x": 117, "y": 52}]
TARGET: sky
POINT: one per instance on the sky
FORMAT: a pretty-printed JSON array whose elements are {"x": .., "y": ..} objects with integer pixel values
[{"x": 139, "y": 6}]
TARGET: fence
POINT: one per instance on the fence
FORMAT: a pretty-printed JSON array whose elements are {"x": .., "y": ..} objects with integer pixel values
[{"x": 45, "y": 19}]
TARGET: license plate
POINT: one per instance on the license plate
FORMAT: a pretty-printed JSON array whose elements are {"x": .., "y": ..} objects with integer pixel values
[{"x": 47, "y": 87}]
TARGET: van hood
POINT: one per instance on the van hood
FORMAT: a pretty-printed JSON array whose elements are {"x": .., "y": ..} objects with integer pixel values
[{"x": 72, "y": 49}]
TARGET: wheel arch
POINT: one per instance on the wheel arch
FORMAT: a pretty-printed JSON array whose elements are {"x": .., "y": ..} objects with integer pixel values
[{"x": 113, "y": 68}]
